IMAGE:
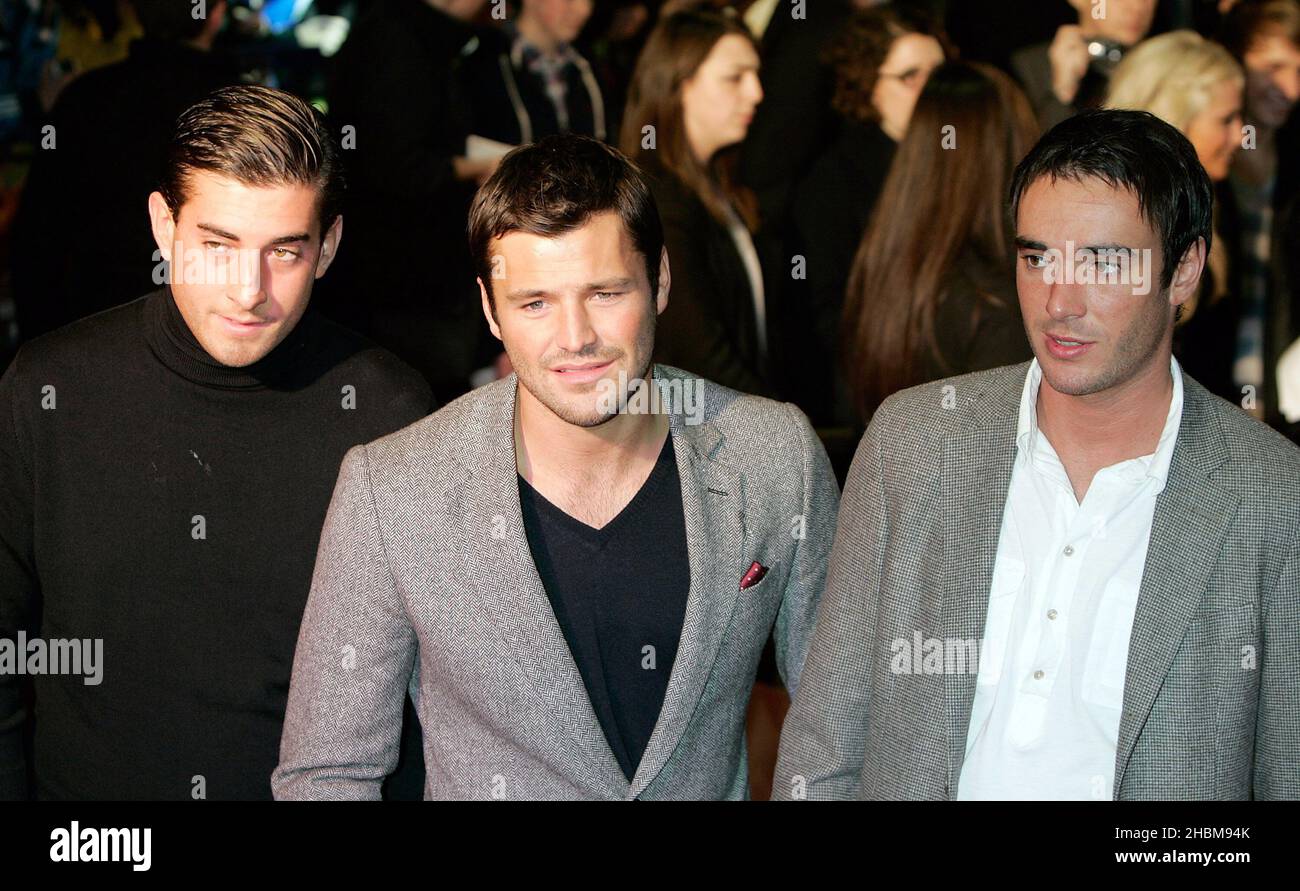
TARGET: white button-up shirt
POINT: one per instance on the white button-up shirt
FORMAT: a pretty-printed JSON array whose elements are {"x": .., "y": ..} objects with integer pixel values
[{"x": 1050, "y": 689}]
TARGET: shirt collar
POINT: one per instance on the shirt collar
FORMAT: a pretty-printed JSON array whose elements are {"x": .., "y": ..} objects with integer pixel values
[
  {"x": 1156, "y": 465},
  {"x": 521, "y": 52}
]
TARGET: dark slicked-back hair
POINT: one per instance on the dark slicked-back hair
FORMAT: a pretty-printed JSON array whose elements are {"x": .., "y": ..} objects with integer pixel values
[
  {"x": 1136, "y": 151},
  {"x": 259, "y": 137},
  {"x": 554, "y": 186}
]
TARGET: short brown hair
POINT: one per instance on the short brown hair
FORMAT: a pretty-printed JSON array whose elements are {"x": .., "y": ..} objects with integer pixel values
[
  {"x": 554, "y": 186},
  {"x": 1252, "y": 19},
  {"x": 259, "y": 137}
]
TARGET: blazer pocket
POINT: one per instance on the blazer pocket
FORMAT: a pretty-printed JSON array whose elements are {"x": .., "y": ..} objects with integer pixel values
[
  {"x": 1107, "y": 661},
  {"x": 1008, "y": 582}
]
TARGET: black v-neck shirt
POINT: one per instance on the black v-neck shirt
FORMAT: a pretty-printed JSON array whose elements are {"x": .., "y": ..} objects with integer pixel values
[{"x": 619, "y": 595}]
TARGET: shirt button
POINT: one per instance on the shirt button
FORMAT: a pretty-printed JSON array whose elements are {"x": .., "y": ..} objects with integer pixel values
[
  {"x": 1038, "y": 675},
  {"x": 1051, "y": 614},
  {"x": 1069, "y": 549}
]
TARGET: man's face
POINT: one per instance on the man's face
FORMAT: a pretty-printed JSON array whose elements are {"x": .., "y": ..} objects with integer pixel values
[
  {"x": 1090, "y": 334},
  {"x": 561, "y": 19},
  {"x": 573, "y": 311},
  {"x": 1272, "y": 79},
  {"x": 243, "y": 261},
  {"x": 1124, "y": 21}
]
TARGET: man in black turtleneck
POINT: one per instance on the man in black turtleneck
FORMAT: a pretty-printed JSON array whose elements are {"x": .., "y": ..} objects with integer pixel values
[{"x": 165, "y": 469}]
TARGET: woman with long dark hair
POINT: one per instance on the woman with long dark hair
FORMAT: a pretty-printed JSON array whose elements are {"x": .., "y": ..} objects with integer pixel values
[
  {"x": 692, "y": 98},
  {"x": 932, "y": 289}
]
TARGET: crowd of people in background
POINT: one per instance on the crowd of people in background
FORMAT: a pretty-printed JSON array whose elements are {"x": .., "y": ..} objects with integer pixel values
[{"x": 831, "y": 174}]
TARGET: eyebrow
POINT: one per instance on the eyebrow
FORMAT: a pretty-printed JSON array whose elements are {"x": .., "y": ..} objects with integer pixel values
[
  {"x": 613, "y": 284},
  {"x": 283, "y": 239},
  {"x": 1027, "y": 244}
]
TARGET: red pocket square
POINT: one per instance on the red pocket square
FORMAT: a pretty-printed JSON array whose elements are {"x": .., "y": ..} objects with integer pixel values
[{"x": 753, "y": 575}]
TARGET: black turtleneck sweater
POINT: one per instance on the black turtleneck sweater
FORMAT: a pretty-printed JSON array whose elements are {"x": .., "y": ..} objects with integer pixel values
[{"x": 171, "y": 506}]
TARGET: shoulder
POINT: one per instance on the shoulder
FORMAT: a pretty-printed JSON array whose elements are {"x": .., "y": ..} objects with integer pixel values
[
  {"x": 448, "y": 437},
  {"x": 1260, "y": 459},
  {"x": 751, "y": 426},
  {"x": 953, "y": 405},
  {"x": 351, "y": 355},
  {"x": 106, "y": 336}
]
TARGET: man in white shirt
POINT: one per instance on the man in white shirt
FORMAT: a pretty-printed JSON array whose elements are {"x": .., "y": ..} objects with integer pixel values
[{"x": 1077, "y": 578}]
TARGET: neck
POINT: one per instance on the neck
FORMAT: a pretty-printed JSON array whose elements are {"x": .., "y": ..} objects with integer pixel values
[
  {"x": 547, "y": 444},
  {"x": 699, "y": 148},
  {"x": 1100, "y": 429},
  {"x": 535, "y": 34}
]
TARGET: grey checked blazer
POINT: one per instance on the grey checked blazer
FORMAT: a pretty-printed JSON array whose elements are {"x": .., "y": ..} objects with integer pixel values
[
  {"x": 915, "y": 549},
  {"x": 425, "y": 584}
]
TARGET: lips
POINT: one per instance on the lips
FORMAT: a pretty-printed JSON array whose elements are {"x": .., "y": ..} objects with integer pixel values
[
  {"x": 237, "y": 326},
  {"x": 581, "y": 373},
  {"x": 1064, "y": 347}
]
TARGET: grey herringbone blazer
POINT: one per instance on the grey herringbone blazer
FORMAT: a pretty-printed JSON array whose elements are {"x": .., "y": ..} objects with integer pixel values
[
  {"x": 1212, "y": 693},
  {"x": 425, "y": 584}
]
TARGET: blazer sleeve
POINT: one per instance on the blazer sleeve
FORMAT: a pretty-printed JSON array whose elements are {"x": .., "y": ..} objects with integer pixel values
[
  {"x": 1277, "y": 729},
  {"x": 356, "y": 649},
  {"x": 813, "y": 537},
  {"x": 19, "y": 585},
  {"x": 823, "y": 741}
]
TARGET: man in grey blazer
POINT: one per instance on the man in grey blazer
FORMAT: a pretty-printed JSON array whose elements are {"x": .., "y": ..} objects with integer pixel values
[
  {"x": 1077, "y": 578},
  {"x": 572, "y": 571}
]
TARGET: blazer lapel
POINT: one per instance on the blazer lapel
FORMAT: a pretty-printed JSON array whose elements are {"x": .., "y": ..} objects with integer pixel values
[
  {"x": 501, "y": 565},
  {"x": 976, "y": 476},
  {"x": 712, "y": 501},
  {"x": 1189, "y": 510}
]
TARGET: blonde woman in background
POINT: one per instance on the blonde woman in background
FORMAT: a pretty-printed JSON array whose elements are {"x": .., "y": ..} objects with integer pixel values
[{"x": 1195, "y": 85}]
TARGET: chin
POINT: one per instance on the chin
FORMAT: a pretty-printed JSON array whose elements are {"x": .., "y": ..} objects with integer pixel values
[{"x": 1071, "y": 381}]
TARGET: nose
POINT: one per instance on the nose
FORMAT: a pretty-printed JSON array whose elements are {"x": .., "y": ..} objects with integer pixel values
[
  {"x": 1288, "y": 82},
  {"x": 1065, "y": 301},
  {"x": 576, "y": 332},
  {"x": 248, "y": 293}
]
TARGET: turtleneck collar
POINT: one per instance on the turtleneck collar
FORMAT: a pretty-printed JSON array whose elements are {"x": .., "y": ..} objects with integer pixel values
[{"x": 176, "y": 347}]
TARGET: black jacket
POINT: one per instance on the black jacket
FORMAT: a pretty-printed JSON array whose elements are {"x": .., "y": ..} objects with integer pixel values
[
  {"x": 830, "y": 210},
  {"x": 709, "y": 326},
  {"x": 794, "y": 123},
  {"x": 509, "y": 103},
  {"x": 403, "y": 275}
]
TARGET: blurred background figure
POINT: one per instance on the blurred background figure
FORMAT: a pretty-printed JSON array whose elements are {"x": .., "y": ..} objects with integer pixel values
[
  {"x": 795, "y": 122},
  {"x": 693, "y": 95},
  {"x": 526, "y": 79},
  {"x": 94, "y": 33},
  {"x": 932, "y": 290},
  {"x": 881, "y": 58},
  {"x": 1195, "y": 85},
  {"x": 404, "y": 276},
  {"x": 1264, "y": 36},
  {"x": 93, "y": 172},
  {"x": 1071, "y": 71}
]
